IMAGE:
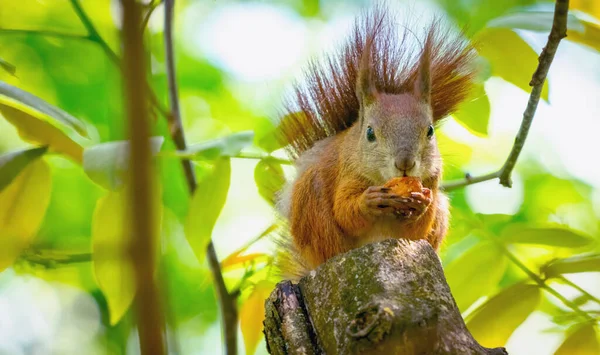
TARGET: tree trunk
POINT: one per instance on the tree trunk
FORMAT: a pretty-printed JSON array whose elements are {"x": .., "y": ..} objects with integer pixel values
[{"x": 389, "y": 297}]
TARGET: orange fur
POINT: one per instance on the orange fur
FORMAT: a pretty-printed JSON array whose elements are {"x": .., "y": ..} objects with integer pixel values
[{"x": 374, "y": 81}]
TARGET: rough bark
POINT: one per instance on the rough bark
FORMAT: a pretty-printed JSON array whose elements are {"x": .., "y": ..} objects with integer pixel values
[{"x": 389, "y": 297}]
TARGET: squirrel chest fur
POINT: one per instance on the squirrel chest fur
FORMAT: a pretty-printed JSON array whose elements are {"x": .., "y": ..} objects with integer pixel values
[{"x": 368, "y": 115}]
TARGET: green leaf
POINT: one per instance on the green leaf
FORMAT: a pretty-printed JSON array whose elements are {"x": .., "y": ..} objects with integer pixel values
[
  {"x": 11, "y": 164},
  {"x": 474, "y": 274},
  {"x": 107, "y": 164},
  {"x": 269, "y": 178},
  {"x": 510, "y": 57},
  {"x": 111, "y": 235},
  {"x": 9, "y": 68},
  {"x": 206, "y": 205},
  {"x": 492, "y": 323},
  {"x": 551, "y": 236},
  {"x": 14, "y": 97},
  {"x": 474, "y": 113},
  {"x": 23, "y": 205},
  {"x": 574, "y": 264},
  {"x": 111, "y": 241},
  {"x": 583, "y": 340},
  {"x": 228, "y": 146}
]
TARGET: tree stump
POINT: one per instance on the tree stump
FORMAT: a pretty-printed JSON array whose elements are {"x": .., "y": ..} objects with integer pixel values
[{"x": 388, "y": 297}]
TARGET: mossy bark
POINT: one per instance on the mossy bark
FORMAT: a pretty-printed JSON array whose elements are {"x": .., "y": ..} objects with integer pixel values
[{"x": 389, "y": 297}]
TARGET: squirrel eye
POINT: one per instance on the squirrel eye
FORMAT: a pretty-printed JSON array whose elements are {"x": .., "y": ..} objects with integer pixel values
[
  {"x": 370, "y": 134},
  {"x": 430, "y": 131}
]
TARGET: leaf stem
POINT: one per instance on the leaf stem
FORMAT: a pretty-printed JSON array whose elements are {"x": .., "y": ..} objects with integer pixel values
[
  {"x": 45, "y": 33},
  {"x": 578, "y": 288},
  {"x": 558, "y": 32},
  {"x": 538, "y": 280},
  {"x": 150, "y": 318},
  {"x": 227, "y": 301}
]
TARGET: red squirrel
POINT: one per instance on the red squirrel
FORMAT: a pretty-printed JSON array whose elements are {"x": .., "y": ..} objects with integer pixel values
[{"x": 364, "y": 116}]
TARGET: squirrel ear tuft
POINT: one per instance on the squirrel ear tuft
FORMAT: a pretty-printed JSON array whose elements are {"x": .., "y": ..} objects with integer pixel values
[
  {"x": 365, "y": 86},
  {"x": 422, "y": 87}
]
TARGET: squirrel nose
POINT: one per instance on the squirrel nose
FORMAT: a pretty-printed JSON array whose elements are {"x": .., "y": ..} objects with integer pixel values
[{"x": 405, "y": 164}]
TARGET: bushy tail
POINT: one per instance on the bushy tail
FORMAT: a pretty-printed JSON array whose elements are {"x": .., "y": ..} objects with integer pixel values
[{"x": 288, "y": 263}]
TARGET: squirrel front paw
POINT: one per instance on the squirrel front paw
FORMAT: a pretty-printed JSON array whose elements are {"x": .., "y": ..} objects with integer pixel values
[
  {"x": 414, "y": 206},
  {"x": 379, "y": 201}
]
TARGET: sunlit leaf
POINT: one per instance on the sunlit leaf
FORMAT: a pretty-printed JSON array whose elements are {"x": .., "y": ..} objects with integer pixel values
[
  {"x": 111, "y": 235},
  {"x": 553, "y": 236},
  {"x": 19, "y": 99},
  {"x": 40, "y": 131},
  {"x": 493, "y": 322},
  {"x": 269, "y": 178},
  {"x": 579, "y": 30},
  {"x": 252, "y": 315},
  {"x": 228, "y": 146},
  {"x": 474, "y": 113},
  {"x": 23, "y": 205},
  {"x": 268, "y": 139},
  {"x": 111, "y": 238},
  {"x": 107, "y": 163},
  {"x": 470, "y": 275},
  {"x": 582, "y": 341},
  {"x": 510, "y": 57},
  {"x": 574, "y": 264},
  {"x": 591, "y": 7},
  {"x": 11, "y": 164},
  {"x": 206, "y": 205},
  {"x": 241, "y": 260},
  {"x": 9, "y": 68}
]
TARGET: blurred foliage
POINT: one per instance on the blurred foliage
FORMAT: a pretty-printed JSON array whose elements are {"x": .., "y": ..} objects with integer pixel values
[{"x": 63, "y": 211}]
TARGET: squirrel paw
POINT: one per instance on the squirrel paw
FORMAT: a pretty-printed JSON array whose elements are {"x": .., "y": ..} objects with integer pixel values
[
  {"x": 413, "y": 207},
  {"x": 380, "y": 201}
]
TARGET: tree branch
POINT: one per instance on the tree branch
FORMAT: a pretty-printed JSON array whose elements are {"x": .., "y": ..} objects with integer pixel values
[
  {"x": 45, "y": 33},
  {"x": 227, "y": 301},
  {"x": 93, "y": 33},
  {"x": 558, "y": 32},
  {"x": 95, "y": 37},
  {"x": 143, "y": 248}
]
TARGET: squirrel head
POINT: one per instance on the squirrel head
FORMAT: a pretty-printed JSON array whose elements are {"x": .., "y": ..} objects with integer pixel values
[{"x": 396, "y": 131}]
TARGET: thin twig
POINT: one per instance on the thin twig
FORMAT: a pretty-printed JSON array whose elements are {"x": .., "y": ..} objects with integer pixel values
[
  {"x": 93, "y": 33},
  {"x": 151, "y": 7},
  {"x": 558, "y": 32},
  {"x": 578, "y": 288},
  {"x": 52, "y": 259},
  {"x": 226, "y": 300},
  {"x": 538, "y": 280},
  {"x": 150, "y": 321},
  {"x": 264, "y": 156},
  {"x": 94, "y": 36},
  {"x": 45, "y": 33}
]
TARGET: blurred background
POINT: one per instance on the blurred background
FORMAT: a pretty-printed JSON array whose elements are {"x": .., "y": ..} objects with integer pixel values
[{"x": 234, "y": 60}]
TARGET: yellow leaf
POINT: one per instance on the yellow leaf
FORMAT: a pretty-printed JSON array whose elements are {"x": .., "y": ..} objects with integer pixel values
[
  {"x": 589, "y": 34},
  {"x": 252, "y": 315},
  {"x": 23, "y": 205},
  {"x": 111, "y": 240},
  {"x": 473, "y": 268},
  {"x": 495, "y": 321},
  {"x": 591, "y": 7},
  {"x": 239, "y": 260},
  {"x": 510, "y": 57},
  {"x": 111, "y": 236},
  {"x": 583, "y": 341},
  {"x": 37, "y": 130}
]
